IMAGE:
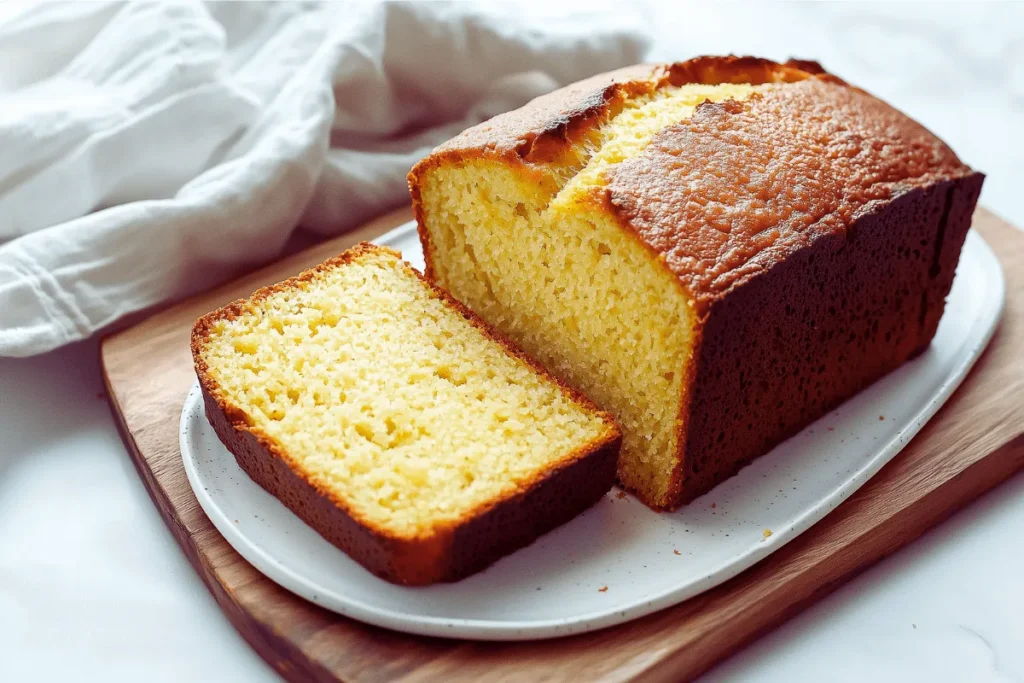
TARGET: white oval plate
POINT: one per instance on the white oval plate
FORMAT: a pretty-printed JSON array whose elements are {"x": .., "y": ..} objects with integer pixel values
[{"x": 619, "y": 560}]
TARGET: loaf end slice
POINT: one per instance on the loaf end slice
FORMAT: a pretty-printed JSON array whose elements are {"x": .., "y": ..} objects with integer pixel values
[{"x": 396, "y": 423}]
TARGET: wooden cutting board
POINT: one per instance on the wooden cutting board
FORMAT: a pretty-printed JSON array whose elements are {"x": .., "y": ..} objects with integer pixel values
[{"x": 975, "y": 442}]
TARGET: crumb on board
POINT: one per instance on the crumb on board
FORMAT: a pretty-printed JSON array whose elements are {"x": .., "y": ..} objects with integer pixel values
[
  {"x": 831, "y": 429},
  {"x": 881, "y": 417},
  {"x": 620, "y": 495},
  {"x": 602, "y": 589},
  {"x": 676, "y": 552},
  {"x": 714, "y": 505},
  {"x": 767, "y": 533}
]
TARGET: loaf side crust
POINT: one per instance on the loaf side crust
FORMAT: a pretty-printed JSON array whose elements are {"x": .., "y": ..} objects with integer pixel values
[
  {"x": 792, "y": 344},
  {"x": 451, "y": 551}
]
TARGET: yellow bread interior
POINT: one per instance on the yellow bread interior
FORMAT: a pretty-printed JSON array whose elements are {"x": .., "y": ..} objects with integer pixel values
[
  {"x": 633, "y": 127},
  {"x": 540, "y": 260},
  {"x": 385, "y": 395}
]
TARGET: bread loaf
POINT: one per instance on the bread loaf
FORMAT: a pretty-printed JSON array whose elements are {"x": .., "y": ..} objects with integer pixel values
[{"x": 717, "y": 251}]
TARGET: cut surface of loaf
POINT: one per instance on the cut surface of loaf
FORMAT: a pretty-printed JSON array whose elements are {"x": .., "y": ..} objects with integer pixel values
[
  {"x": 717, "y": 251},
  {"x": 394, "y": 422}
]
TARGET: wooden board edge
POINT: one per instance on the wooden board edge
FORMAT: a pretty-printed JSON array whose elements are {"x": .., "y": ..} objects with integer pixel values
[{"x": 292, "y": 665}]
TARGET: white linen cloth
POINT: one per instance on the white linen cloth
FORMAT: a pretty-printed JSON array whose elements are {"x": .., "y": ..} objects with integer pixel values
[{"x": 148, "y": 151}]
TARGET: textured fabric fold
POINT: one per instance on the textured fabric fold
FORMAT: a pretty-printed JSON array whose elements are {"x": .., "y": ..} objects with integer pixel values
[{"x": 159, "y": 148}]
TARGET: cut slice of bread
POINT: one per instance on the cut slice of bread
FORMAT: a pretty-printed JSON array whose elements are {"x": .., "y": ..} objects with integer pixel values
[{"x": 394, "y": 422}]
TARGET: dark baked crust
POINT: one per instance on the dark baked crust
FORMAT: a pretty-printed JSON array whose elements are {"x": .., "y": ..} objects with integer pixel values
[
  {"x": 788, "y": 346},
  {"x": 545, "y": 127},
  {"x": 732, "y": 69},
  {"x": 450, "y": 552}
]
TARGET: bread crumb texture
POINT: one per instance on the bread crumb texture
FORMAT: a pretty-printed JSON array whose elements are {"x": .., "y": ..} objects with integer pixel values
[
  {"x": 554, "y": 271},
  {"x": 385, "y": 396}
]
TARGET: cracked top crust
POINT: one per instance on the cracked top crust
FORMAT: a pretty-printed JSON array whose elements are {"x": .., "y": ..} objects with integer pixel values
[
  {"x": 737, "y": 187},
  {"x": 740, "y": 185},
  {"x": 541, "y": 130}
]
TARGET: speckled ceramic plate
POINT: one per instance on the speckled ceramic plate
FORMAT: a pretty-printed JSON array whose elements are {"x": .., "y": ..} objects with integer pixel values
[{"x": 617, "y": 561}]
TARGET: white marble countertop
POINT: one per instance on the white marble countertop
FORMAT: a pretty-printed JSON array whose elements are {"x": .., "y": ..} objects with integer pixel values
[{"x": 93, "y": 587}]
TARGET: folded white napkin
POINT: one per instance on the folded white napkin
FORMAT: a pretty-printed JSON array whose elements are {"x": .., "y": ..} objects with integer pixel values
[{"x": 148, "y": 151}]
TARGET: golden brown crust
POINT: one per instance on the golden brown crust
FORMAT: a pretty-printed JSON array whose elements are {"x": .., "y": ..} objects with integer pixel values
[
  {"x": 738, "y": 187},
  {"x": 449, "y": 551},
  {"x": 538, "y": 131}
]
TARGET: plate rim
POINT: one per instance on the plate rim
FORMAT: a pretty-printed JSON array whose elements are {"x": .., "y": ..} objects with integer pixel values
[{"x": 511, "y": 630}]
